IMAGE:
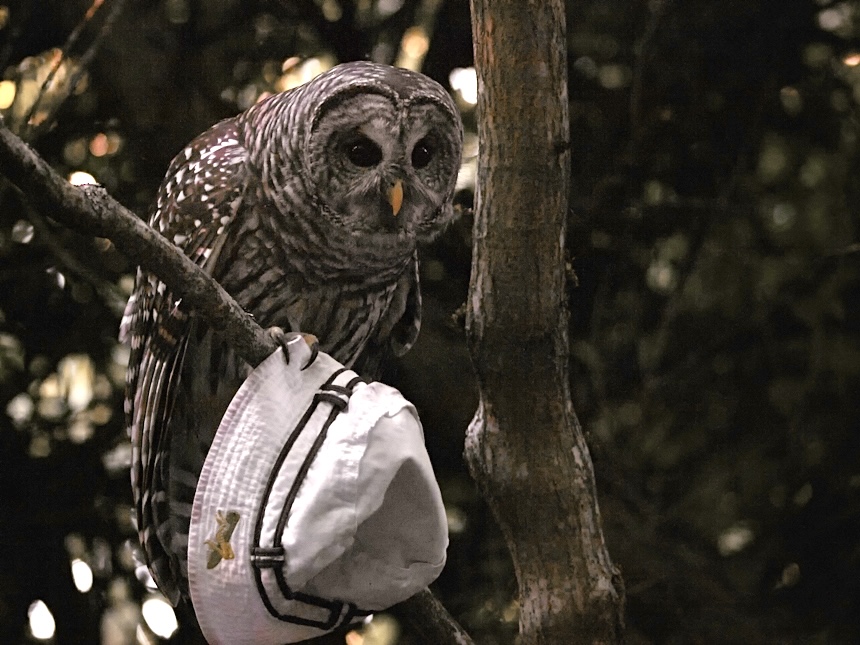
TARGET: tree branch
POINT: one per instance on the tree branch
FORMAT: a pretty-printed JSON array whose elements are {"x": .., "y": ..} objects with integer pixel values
[
  {"x": 89, "y": 209},
  {"x": 111, "y": 295},
  {"x": 430, "y": 620}
]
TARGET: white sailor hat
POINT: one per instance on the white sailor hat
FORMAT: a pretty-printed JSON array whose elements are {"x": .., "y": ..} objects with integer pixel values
[{"x": 316, "y": 506}]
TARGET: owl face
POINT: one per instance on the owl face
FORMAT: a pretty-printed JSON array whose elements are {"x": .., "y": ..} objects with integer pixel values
[{"x": 383, "y": 154}]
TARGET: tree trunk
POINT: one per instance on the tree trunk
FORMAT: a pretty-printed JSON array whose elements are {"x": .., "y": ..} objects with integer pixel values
[{"x": 525, "y": 447}]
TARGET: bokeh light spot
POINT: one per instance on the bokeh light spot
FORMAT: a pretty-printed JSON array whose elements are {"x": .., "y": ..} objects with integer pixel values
[
  {"x": 457, "y": 519},
  {"x": 465, "y": 81},
  {"x": 159, "y": 616},
  {"x": 331, "y": 10},
  {"x": 791, "y": 100},
  {"x": 99, "y": 145},
  {"x": 7, "y": 94},
  {"x": 735, "y": 539},
  {"x": 614, "y": 76},
  {"x": 837, "y": 19},
  {"x": 413, "y": 48},
  {"x": 790, "y": 575},
  {"x": 77, "y": 373},
  {"x": 75, "y": 151},
  {"x": 81, "y": 178},
  {"x": 380, "y": 629},
  {"x": 20, "y": 408},
  {"x": 415, "y": 42},
  {"x": 22, "y": 232},
  {"x": 82, "y": 575},
  {"x": 388, "y": 7},
  {"x": 42, "y": 625}
]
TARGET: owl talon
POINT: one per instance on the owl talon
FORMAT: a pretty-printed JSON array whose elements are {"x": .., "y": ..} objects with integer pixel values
[
  {"x": 314, "y": 344},
  {"x": 280, "y": 337},
  {"x": 283, "y": 338}
]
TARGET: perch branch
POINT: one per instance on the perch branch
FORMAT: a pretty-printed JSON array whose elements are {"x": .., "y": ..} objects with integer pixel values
[
  {"x": 429, "y": 618},
  {"x": 89, "y": 209}
]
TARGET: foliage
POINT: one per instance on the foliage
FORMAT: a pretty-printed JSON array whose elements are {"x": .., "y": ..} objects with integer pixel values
[{"x": 718, "y": 354}]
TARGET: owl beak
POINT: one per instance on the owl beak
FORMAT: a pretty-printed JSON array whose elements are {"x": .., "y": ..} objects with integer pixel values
[{"x": 395, "y": 197}]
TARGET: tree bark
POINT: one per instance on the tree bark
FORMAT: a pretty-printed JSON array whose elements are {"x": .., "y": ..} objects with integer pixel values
[{"x": 525, "y": 447}]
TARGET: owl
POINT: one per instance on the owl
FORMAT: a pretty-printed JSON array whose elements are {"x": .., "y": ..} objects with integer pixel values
[{"x": 308, "y": 208}]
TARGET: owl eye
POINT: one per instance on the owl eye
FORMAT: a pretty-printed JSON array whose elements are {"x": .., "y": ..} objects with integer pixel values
[
  {"x": 422, "y": 154},
  {"x": 363, "y": 153}
]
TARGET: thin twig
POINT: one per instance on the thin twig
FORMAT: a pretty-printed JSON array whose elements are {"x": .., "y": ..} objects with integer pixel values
[
  {"x": 111, "y": 295},
  {"x": 659, "y": 10},
  {"x": 116, "y": 9},
  {"x": 64, "y": 50}
]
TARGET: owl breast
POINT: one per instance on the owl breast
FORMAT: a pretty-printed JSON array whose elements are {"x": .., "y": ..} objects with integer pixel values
[{"x": 278, "y": 270}]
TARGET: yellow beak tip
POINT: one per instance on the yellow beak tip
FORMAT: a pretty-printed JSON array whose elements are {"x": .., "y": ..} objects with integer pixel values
[{"x": 395, "y": 197}]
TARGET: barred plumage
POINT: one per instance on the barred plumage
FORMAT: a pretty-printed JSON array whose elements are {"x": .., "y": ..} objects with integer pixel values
[{"x": 294, "y": 206}]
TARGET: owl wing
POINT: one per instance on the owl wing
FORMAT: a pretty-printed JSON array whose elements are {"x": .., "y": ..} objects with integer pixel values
[{"x": 200, "y": 197}]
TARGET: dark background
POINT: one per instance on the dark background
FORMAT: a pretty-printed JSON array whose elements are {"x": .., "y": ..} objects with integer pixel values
[{"x": 715, "y": 328}]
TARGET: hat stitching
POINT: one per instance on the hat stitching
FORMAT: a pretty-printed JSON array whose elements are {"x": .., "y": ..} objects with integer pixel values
[{"x": 337, "y": 396}]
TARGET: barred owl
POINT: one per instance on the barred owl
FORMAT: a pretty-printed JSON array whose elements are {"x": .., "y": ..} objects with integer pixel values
[{"x": 307, "y": 208}]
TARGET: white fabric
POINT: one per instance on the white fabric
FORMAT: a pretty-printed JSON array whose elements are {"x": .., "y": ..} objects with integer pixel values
[{"x": 367, "y": 527}]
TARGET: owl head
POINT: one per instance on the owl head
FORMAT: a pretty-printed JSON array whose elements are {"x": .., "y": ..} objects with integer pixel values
[{"x": 377, "y": 150}]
